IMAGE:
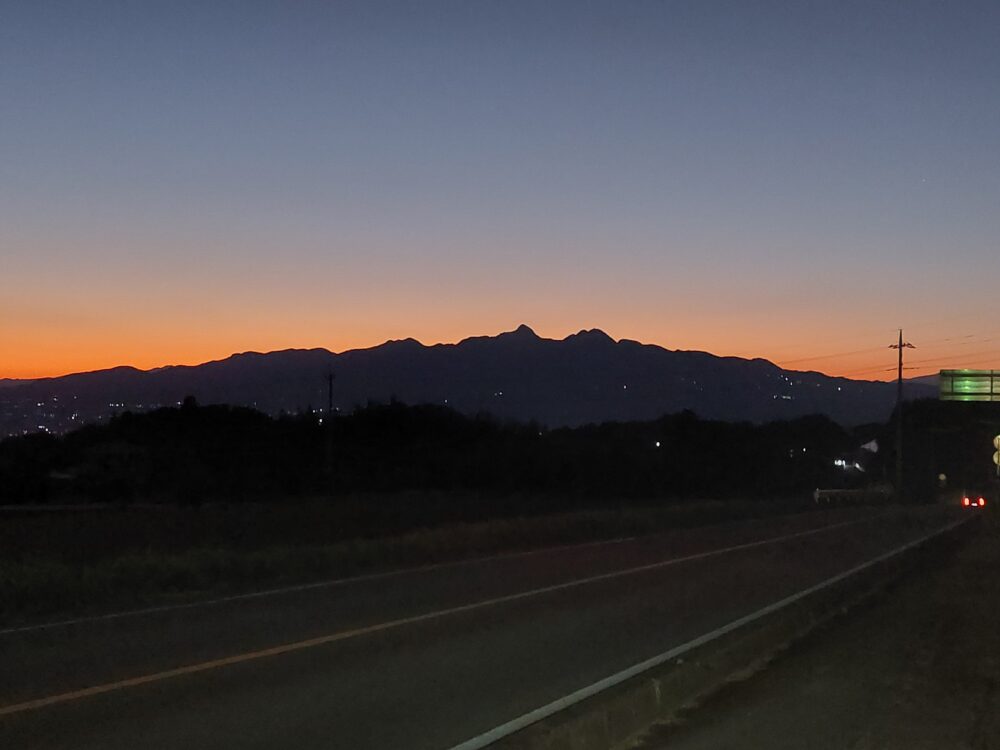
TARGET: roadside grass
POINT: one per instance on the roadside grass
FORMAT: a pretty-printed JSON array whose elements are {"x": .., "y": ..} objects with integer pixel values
[{"x": 36, "y": 586}]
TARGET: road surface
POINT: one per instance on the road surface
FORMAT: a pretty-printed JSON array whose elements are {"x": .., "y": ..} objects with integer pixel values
[{"x": 424, "y": 659}]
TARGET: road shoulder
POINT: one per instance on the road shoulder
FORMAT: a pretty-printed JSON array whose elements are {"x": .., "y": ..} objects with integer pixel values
[{"x": 917, "y": 668}]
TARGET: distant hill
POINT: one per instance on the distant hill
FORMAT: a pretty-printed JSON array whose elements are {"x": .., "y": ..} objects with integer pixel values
[
  {"x": 587, "y": 377},
  {"x": 931, "y": 380}
]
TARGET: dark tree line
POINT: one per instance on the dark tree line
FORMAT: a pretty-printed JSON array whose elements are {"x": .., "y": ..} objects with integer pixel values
[{"x": 194, "y": 454}]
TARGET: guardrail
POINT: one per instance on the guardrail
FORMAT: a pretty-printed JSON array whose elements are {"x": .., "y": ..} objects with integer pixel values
[
  {"x": 617, "y": 709},
  {"x": 852, "y": 497}
]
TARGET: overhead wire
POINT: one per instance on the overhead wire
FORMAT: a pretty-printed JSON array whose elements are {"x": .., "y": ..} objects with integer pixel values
[
  {"x": 926, "y": 363},
  {"x": 952, "y": 357},
  {"x": 830, "y": 356}
]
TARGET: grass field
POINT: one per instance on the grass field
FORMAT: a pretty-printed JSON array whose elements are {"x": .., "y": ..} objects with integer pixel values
[{"x": 87, "y": 561}]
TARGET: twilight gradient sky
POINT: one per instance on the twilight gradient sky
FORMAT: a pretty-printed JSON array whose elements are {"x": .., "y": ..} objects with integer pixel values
[{"x": 182, "y": 180}]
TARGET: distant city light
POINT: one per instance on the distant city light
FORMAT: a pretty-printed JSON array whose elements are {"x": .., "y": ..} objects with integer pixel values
[{"x": 842, "y": 463}]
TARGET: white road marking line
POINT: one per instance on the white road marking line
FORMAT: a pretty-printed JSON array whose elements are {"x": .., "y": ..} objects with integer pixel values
[
  {"x": 544, "y": 712},
  {"x": 391, "y": 624}
]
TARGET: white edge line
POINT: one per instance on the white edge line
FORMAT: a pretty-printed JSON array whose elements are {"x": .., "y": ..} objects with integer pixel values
[
  {"x": 544, "y": 712},
  {"x": 378, "y": 627},
  {"x": 349, "y": 580}
]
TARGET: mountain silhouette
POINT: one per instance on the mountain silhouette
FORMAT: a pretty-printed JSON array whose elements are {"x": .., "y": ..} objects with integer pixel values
[{"x": 586, "y": 377}]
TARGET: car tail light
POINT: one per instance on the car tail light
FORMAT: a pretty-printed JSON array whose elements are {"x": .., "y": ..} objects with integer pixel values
[
  {"x": 965, "y": 501},
  {"x": 982, "y": 502}
]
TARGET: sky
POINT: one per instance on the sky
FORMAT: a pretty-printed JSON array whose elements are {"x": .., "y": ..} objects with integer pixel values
[{"x": 184, "y": 180}]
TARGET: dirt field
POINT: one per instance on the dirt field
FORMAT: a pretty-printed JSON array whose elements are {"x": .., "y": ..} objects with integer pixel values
[{"x": 917, "y": 668}]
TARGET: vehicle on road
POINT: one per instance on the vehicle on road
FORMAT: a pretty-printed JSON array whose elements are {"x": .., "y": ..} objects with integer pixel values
[{"x": 974, "y": 498}]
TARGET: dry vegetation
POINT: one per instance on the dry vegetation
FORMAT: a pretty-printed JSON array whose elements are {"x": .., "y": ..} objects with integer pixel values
[{"x": 57, "y": 563}]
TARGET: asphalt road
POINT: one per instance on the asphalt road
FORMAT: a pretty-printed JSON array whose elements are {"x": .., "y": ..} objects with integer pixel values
[{"x": 419, "y": 659}]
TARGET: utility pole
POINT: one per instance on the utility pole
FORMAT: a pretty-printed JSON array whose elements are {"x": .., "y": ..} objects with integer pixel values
[
  {"x": 329, "y": 394},
  {"x": 899, "y": 413}
]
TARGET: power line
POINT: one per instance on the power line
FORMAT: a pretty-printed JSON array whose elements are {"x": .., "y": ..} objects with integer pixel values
[
  {"x": 957, "y": 341},
  {"x": 934, "y": 343},
  {"x": 946, "y": 339},
  {"x": 952, "y": 341},
  {"x": 931, "y": 364},
  {"x": 873, "y": 368},
  {"x": 830, "y": 356},
  {"x": 951, "y": 357},
  {"x": 853, "y": 337},
  {"x": 986, "y": 360}
]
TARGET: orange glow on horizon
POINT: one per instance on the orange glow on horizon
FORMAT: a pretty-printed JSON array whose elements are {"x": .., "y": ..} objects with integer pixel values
[{"x": 23, "y": 358}]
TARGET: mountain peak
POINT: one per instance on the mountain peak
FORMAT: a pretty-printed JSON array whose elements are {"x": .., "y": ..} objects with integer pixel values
[
  {"x": 523, "y": 332},
  {"x": 594, "y": 334},
  {"x": 408, "y": 342}
]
